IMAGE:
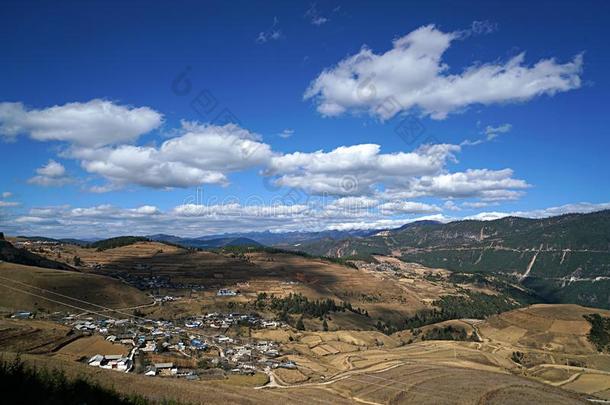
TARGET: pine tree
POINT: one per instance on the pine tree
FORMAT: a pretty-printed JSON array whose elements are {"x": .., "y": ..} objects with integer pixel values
[{"x": 300, "y": 324}]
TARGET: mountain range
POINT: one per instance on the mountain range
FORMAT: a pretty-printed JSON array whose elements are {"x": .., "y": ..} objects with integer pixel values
[{"x": 564, "y": 258}]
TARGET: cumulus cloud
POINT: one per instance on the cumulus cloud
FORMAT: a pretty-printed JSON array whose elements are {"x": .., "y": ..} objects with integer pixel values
[
  {"x": 238, "y": 210},
  {"x": 412, "y": 75},
  {"x": 489, "y": 185},
  {"x": 362, "y": 170},
  {"x": 100, "y": 134},
  {"x": 7, "y": 194},
  {"x": 408, "y": 207},
  {"x": 351, "y": 204},
  {"x": 53, "y": 174},
  {"x": 355, "y": 170},
  {"x": 202, "y": 154},
  {"x": 94, "y": 123}
]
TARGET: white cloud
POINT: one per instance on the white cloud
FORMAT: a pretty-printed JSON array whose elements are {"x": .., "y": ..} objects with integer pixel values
[
  {"x": 575, "y": 208},
  {"x": 479, "y": 28},
  {"x": 582, "y": 207},
  {"x": 287, "y": 133},
  {"x": 412, "y": 75},
  {"x": 7, "y": 194},
  {"x": 353, "y": 204},
  {"x": 494, "y": 132},
  {"x": 490, "y": 133},
  {"x": 490, "y": 185},
  {"x": 362, "y": 170},
  {"x": 198, "y": 219},
  {"x": 314, "y": 16},
  {"x": 272, "y": 34},
  {"x": 386, "y": 223},
  {"x": 53, "y": 174},
  {"x": 451, "y": 206},
  {"x": 52, "y": 169},
  {"x": 94, "y": 123},
  {"x": 8, "y": 204},
  {"x": 202, "y": 154},
  {"x": 476, "y": 204},
  {"x": 355, "y": 170},
  {"x": 238, "y": 210},
  {"x": 407, "y": 207}
]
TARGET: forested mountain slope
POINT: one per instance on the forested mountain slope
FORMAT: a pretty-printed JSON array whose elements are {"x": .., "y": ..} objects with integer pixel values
[{"x": 565, "y": 258}]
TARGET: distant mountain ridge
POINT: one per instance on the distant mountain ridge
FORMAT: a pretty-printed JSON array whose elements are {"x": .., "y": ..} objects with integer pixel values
[
  {"x": 266, "y": 238},
  {"x": 204, "y": 243}
]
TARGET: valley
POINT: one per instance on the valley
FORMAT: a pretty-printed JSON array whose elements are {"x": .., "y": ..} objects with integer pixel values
[{"x": 371, "y": 331}]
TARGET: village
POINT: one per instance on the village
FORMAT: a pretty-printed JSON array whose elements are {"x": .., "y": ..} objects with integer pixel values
[{"x": 204, "y": 339}]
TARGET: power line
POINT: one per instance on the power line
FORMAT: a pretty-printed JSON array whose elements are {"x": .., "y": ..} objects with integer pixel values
[
  {"x": 74, "y": 299},
  {"x": 55, "y": 301}
]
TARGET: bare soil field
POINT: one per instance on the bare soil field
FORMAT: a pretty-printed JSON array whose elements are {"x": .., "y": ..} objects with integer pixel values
[
  {"x": 555, "y": 328},
  {"x": 89, "y": 346}
]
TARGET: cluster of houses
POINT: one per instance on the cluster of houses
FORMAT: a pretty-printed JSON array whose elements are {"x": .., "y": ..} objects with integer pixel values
[
  {"x": 29, "y": 244},
  {"x": 191, "y": 338},
  {"x": 223, "y": 321},
  {"x": 149, "y": 282},
  {"x": 380, "y": 267}
]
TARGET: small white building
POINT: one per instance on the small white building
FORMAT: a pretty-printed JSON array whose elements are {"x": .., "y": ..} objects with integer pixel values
[
  {"x": 111, "y": 362},
  {"x": 151, "y": 371},
  {"x": 96, "y": 360},
  {"x": 149, "y": 347},
  {"x": 225, "y": 292}
]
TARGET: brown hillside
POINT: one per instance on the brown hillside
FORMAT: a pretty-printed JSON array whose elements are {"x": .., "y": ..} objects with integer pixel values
[{"x": 20, "y": 290}]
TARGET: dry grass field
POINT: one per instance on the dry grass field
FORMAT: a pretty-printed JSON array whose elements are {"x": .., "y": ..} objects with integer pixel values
[
  {"x": 553, "y": 328},
  {"x": 33, "y": 336},
  {"x": 382, "y": 294},
  {"x": 20, "y": 289}
]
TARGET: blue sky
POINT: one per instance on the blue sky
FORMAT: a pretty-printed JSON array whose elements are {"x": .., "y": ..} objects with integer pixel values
[{"x": 99, "y": 136}]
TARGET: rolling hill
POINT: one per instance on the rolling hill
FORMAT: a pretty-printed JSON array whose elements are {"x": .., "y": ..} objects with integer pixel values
[
  {"x": 10, "y": 253},
  {"x": 23, "y": 288}
]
